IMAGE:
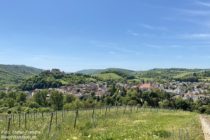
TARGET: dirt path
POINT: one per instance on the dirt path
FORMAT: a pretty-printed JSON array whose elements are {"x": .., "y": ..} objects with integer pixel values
[{"x": 205, "y": 126}]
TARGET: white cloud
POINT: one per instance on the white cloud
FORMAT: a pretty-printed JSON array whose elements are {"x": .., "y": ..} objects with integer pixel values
[
  {"x": 200, "y": 36},
  {"x": 203, "y": 23},
  {"x": 156, "y": 46},
  {"x": 150, "y": 27},
  {"x": 203, "y": 3},
  {"x": 194, "y": 12},
  {"x": 147, "y": 26},
  {"x": 133, "y": 33}
]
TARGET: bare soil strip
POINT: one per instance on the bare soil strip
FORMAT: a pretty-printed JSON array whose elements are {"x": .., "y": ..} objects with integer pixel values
[{"x": 205, "y": 122}]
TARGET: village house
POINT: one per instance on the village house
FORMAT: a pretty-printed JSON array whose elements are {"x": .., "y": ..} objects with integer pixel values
[{"x": 146, "y": 86}]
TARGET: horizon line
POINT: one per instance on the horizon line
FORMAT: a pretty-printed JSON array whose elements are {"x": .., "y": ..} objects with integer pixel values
[{"x": 135, "y": 70}]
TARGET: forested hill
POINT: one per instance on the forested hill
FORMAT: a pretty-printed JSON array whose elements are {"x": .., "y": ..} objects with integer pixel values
[
  {"x": 30, "y": 78},
  {"x": 98, "y": 71},
  {"x": 177, "y": 74},
  {"x": 13, "y": 74}
]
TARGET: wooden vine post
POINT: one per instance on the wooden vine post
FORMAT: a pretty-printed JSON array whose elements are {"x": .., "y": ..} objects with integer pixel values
[
  {"x": 51, "y": 118},
  {"x": 76, "y": 116},
  {"x": 8, "y": 127}
]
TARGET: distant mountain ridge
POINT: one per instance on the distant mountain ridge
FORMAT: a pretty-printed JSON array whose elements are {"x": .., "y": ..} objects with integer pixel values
[
  {"x": 12, "y": 74},
  {"x": 97, "y": 71},
  {"x": 179, "y": 74},
  {"x": 90, "y": 71},
  {"x": 15, "y": 74}
]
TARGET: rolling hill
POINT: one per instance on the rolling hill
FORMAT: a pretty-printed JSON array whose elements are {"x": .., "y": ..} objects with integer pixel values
[
  {"x": 90, "y": 71},
  {"x": 109, "y": 73},
  {"x": 109, "y": 76},
  {"x": 97, "y": 71},
  {"x": 13, "y": 74},
  {"x": 179, "y": 74}
]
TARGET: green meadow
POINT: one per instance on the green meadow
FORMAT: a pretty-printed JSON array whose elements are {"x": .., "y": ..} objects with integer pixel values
[{"x": 120, "y": 123}]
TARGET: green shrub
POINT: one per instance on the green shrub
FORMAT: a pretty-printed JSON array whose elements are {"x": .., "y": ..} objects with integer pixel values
[
  {"x": 44, "y": 109},
  {"x": 162, "y": 133},
  {"x": 3, "y": 109},
  {"x": 33, "y": 105}
]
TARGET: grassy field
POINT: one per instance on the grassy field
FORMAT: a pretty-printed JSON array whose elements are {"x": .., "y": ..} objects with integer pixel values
[
  {"x": 106, "y": 124},
  {"x": 108, "y": 76}
]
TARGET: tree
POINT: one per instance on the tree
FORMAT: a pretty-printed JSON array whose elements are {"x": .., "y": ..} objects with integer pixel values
[
  {"x": 33, "y": 105},
  {"x": 182, "y": 104},
  {"x": 109, "y": 100},
  {"x": 69, "y": 98},
  {"x": 56, "y": 100},
  {"x": 2, "y": 95},
  {"x": 10, "y": 102},
  {"x": 21, "y": 97},
  {"x": 12, "y": 95},
  {"x": 207, "y": 109},
  {"x": 41, "y": 98},
  {"x": 132, "y": 102},
  {"x": 77, "y": 104},
  {"x": 164, "y": 104}
]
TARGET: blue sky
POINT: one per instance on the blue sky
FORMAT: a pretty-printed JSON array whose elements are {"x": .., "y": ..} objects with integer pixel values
[{"x": 83, "y": 34}]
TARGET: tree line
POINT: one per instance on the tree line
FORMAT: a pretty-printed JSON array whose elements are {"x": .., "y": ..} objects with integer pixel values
[{"x": 49, "y": 100}]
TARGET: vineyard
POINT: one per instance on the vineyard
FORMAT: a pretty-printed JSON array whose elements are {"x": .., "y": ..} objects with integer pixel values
[{"x": 115, "y": 123}]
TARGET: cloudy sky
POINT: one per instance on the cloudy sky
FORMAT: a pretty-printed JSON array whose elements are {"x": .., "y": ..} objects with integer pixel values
[{"x": 83, "y": 34}]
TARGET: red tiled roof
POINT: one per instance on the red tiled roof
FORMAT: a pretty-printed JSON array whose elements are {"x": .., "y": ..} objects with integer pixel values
[{"x": 145, "y": 86}]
